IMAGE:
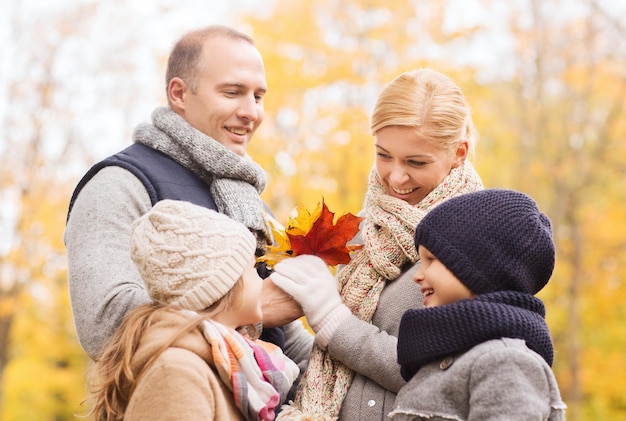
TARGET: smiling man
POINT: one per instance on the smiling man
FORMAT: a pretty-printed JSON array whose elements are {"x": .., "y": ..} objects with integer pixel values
[
  {"x": 193, "y": 150},
  {"x": 222, "y": 96}
]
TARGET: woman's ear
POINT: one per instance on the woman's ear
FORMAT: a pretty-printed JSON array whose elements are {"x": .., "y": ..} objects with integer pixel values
[{"x": 461, "y": 153}]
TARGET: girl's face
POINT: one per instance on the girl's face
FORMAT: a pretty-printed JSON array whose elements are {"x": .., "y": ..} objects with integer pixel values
[
  {"x": 245, "y": 308},
  {"x": 250, "y": 310},
  {"x": 439, "y": 286},
  {"x": 409, "y": 166}
]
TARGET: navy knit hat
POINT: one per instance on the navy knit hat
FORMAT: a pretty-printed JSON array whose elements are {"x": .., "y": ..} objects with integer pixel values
[{"x": 491, "y": 240}]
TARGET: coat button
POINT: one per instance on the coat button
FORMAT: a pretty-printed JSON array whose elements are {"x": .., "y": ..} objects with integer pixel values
[
  {"x": 446, "y": 363},
  {"x": 371, "y": 403}
]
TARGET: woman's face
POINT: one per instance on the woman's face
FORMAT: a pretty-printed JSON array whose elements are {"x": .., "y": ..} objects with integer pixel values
[{"x": 409, "y": 166}]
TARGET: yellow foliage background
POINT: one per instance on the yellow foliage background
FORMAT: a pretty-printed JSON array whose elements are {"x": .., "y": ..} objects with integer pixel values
[{"x": 549, "y": 109}]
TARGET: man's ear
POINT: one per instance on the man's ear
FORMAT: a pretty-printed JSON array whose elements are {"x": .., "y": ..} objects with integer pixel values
[{"x": 176, "y": 91}]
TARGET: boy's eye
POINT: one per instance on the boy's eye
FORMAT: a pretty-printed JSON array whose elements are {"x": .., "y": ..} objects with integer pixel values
[{"x": 428, "y": 257}]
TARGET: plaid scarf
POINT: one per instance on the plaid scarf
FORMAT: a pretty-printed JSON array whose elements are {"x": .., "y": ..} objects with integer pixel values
[
  {"x": 388, "y": 246},
  {"x": 257, "y": 372}
]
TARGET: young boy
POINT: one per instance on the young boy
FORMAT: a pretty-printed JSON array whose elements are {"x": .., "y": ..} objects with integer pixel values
[{"x": 480, "y": 349}]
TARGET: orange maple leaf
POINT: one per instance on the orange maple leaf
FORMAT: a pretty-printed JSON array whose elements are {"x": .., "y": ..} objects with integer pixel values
[{"x": 328, "y": 241}]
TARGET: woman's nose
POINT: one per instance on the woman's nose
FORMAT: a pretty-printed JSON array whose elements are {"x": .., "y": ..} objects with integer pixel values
[{"x": 398, "y": 175}]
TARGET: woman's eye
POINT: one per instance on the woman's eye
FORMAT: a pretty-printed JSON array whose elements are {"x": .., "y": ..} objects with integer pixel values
[{"x": 417, "y": 163}]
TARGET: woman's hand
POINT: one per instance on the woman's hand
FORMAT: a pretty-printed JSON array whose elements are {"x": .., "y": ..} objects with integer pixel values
[{"x": 307, "y": 279}]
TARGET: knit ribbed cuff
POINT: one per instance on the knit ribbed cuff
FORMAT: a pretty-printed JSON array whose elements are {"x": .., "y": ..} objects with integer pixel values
[{"x": 330, "y": 324}]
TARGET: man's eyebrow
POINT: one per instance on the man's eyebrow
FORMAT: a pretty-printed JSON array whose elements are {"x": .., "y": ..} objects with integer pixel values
[{"x": 238, "y": 86}]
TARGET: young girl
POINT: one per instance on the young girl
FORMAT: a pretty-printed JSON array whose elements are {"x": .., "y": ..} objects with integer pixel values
[
  {"x": 181, "y": 356},
  {"x": 481, "y": 348}
]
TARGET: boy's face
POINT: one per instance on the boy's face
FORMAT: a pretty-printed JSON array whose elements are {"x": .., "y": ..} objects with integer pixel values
[{"x": 439, "y": 286}]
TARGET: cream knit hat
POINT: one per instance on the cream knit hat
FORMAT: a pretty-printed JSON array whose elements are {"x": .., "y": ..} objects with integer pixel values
[{"x": 189, "y": 255}]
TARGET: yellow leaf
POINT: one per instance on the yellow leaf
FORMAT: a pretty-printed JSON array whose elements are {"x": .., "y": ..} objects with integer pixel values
[{"x": 303, "y": 220}]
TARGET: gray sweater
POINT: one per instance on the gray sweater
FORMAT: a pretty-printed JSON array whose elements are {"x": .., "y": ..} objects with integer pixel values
[
  {"x": 501, "y": 379},
  {"x": 370, "y": 350},
  {"x": 104, "y": 283}
]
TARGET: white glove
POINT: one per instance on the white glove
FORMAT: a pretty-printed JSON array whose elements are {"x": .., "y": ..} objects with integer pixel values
[{"x": 307, "y": 279}]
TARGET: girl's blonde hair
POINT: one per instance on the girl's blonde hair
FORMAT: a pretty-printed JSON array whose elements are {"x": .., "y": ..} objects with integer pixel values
[
  {"x": 430, "y": 102},
  {"x": 114, "y": 377}
]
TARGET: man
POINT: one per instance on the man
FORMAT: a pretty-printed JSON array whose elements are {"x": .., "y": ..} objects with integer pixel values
[{"x": 194, "y": 150}]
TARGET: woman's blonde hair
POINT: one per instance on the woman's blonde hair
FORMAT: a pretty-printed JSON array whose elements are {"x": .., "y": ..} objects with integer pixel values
[
  {"x": 114, "y": 377},
  {"x": 430, "y": 102}
]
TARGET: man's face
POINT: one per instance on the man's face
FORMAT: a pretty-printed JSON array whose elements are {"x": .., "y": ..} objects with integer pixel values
[{"x": 228, "y": 101}]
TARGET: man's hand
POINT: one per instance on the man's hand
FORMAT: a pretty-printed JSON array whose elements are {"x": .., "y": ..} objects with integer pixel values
[{"x": 279, "y": 308}]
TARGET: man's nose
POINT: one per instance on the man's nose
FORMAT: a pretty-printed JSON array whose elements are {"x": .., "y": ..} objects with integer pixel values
[{"x": 248, "y": 108}]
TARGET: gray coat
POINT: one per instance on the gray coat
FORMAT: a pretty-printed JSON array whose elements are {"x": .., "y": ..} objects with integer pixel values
[
  {"x": 370, "y": 350},
  {"x": 501, "y": 379}
]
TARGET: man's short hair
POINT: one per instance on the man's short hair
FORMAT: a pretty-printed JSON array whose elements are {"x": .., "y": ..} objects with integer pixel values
[{"x": 185, "y": 55}]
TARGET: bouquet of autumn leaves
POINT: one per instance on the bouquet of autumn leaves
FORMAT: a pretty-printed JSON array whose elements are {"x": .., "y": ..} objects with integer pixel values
[{"x": 314, "y": 233}]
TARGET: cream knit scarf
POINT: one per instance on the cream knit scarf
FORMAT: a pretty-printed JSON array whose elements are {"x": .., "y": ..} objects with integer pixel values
[
  {"x": 388, "y": 246},
  {"x": 235, "y": 182}
]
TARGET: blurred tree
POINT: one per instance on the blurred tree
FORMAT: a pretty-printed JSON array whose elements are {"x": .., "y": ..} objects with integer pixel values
[
  {"x": 548, "y": 110},
  {"x": 52, "y": 126},
  {"x": 558, "y": 137},
  {"x": 46, "y": 370},
  {"x": 326, "y": 63},
  {"x": 32, "y": 259}
]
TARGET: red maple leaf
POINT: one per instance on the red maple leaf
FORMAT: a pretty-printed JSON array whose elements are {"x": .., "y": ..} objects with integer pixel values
[{"x": 328, "y": 241}]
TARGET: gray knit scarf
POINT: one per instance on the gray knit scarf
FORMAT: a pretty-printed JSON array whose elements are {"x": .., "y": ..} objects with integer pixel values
[{"x": 235, "y": 182}]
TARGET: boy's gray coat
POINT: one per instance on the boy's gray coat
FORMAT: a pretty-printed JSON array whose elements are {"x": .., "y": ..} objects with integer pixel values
[{"x": 483, "y": 383}]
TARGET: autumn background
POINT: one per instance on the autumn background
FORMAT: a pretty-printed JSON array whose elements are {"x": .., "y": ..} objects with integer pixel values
[{"x": 546, "y": 80}]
